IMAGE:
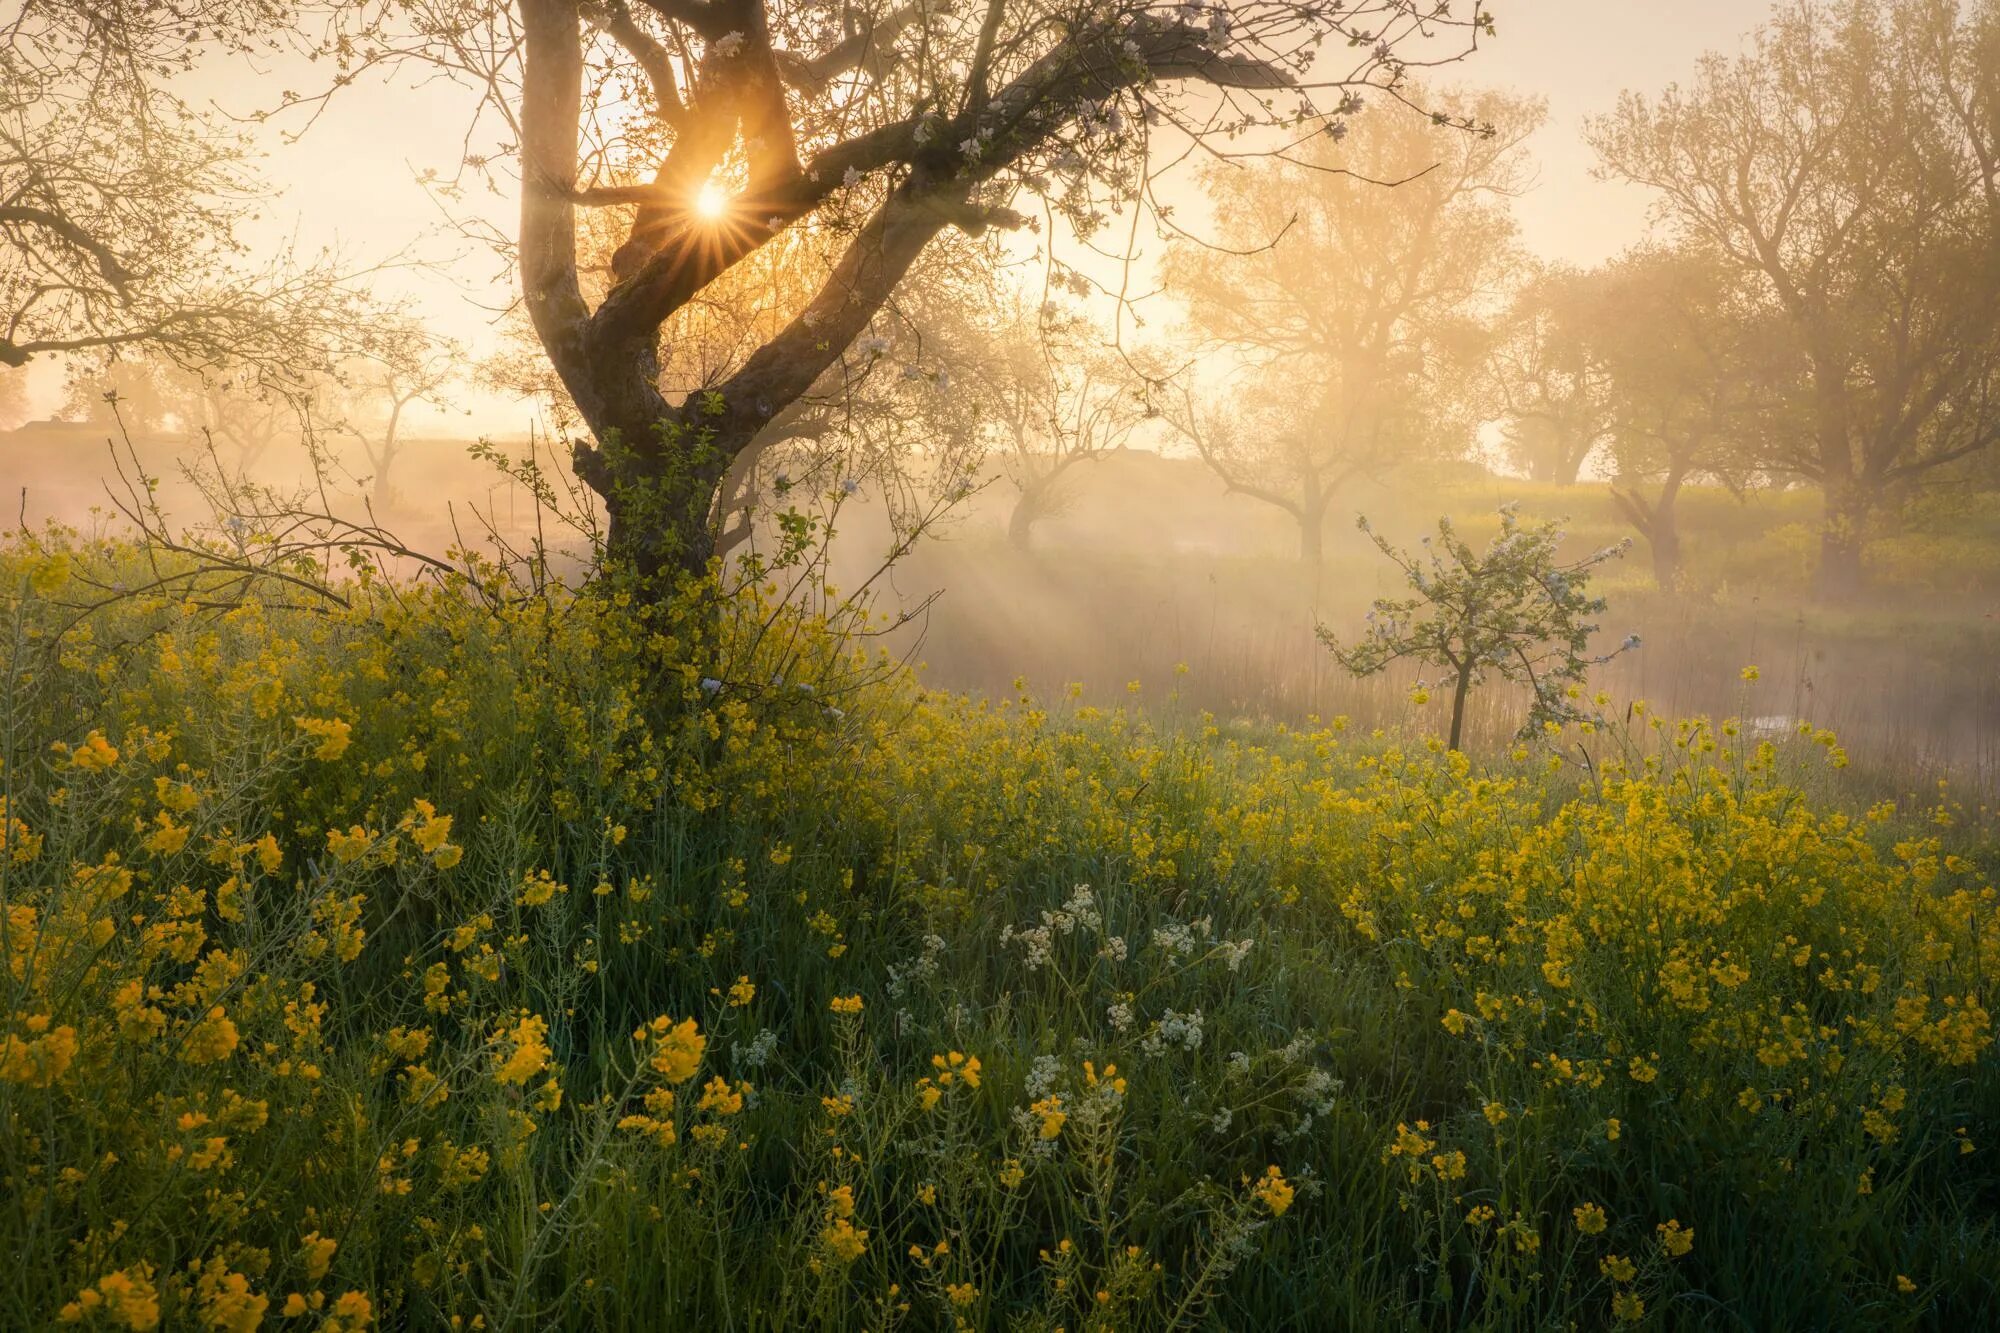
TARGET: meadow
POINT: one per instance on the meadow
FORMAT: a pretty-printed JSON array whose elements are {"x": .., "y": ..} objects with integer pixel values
[
  {"x": 441, "y": 960},
  {"x": 1213, "y": 581}
]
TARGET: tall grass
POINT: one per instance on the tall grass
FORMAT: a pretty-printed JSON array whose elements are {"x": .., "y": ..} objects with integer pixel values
[{"x": 423, "y": 963}]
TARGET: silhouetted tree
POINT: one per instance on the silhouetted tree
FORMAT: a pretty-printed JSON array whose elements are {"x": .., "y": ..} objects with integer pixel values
[
  {"x": 1843, "y": 168},
  {"x": 1343, "y": 308}
]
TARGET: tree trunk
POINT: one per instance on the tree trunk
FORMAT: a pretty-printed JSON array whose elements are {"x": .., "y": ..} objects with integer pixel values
[
  {"x": 387, "y": 458},
  {"x": 1663, "y": 533},
  {"x": 1312, "y": 540},
  {"x": 1458, "y": 705},
  {"x": 1665, "y": 541},
  {"x": 1569, "y": 465},
  {"x": 1029, "y": 510},
  {"x": 659, "y": 504},
  {"x": 1312, "y": 523},
  {"x": 1841, "y": 541}
]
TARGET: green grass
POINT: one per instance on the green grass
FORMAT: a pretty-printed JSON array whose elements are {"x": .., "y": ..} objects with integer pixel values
[{"x": 1381, "y": 941}]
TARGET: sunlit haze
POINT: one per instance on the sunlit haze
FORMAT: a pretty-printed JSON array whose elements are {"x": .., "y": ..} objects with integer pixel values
[{"x": 1128, "y": 666}]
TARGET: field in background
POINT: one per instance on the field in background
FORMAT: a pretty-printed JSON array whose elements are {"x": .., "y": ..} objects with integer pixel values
[
  {"x": 1150, "y": 565},
  {"x": 1208, "y": 581}
]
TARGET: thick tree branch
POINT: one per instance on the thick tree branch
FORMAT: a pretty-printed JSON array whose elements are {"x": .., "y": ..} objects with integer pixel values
[
  {"x": 552, "y": 98},
  {"x": 108, "y": 263},
  {"x": 706, "y": 17},
  {"x": 652, "y": 59}
]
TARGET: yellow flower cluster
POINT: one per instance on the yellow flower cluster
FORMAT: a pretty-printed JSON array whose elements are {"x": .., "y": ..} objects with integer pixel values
[
  {"x": 242, "y": 990},
  {"x": 1273, "y": 1191}
]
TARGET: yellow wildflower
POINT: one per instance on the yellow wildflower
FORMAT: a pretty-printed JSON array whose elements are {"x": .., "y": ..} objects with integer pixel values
[
  {"x": 316, "y": 1253},
  {"x": 1273, "y": 1191},
  {"x": 527, "y": 1054},
  {"x": 211, "y": 1040},
  {"x": 333, "y": 736},
  {"x": 678, "y": 1048}
]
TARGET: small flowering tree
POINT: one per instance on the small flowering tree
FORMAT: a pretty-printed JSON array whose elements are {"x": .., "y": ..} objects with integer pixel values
[{"x": 1515, "y": 611}]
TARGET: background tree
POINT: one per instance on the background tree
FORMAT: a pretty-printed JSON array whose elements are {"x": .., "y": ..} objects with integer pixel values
[
  {"x": 1516, "y": 610},
  {"x": 406, "y": 367},
  {"x": 1052, "y": 395},
  {"x": 715, "y": 126},
  {"x": 1680, "y": 351},
  {"x": 1342, "y": 306},
  {"x": 121, "y": 203},
  {"x": 1545, "y": 371},
  {"x": 242, "y": 411},
  {"x": 1842, "y": 168}
]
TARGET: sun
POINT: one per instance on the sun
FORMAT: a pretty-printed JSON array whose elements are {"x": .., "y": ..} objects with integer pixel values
[{"x": 711, "y": 203}]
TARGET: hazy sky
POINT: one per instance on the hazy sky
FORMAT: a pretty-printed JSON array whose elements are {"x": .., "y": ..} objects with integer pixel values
[
  {"x": 1580, "y": 54},
  {"x": 351, "y": 181}
]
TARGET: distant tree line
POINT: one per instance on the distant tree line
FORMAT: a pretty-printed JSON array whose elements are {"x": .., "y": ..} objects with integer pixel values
[{"x": 1815, "y": 307}]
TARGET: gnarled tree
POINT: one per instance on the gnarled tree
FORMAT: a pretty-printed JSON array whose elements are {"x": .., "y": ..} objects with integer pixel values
[
  {"x": 886, "y": 124},
  {"x": 1548, "y": 375},
  {"x": 1684, "y": 353}
]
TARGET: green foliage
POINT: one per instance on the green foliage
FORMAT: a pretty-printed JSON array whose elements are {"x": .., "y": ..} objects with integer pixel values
[
  {"x": 441, "y": 958},
  {"x": 1516, "y": 611}
]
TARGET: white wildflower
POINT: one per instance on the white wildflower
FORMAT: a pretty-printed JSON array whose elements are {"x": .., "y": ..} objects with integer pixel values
[{"x": 755, "y": 1054}]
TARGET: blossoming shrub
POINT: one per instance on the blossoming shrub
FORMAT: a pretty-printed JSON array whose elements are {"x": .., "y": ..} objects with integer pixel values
[{"x": 424, "y": 964}]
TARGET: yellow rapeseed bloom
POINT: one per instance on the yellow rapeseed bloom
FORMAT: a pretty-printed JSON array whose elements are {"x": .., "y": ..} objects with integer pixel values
[
  {"x": 42, "y": 1058},
  {"x": 844, "y": 1241},
  {"x": 524, "y": 1053},
  {"x": 1273, "y": 1191},
  {"x": 954, "y": 1066},
  {"x": 717, "y": 1096},
  {"x": 316, "y": 1253},
  {"x": 677, "y": 1048},
  {"x": 126, "y": 1297},
  {"x": 211, "y": 1040},
  {"x": 333, "y": 736}
]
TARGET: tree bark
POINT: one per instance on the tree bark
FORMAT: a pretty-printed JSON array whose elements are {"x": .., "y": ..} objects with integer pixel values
[
  {"x": 1029, "y": 510},
  {"x": 1312, "y": 540},
  {"x": 1458, "y": 705},
  {"x": 386, "y": 459},
  {"x": 1311, "y": 515},
  {"x": 1665, "y": 543},
  {"x": 1842, "y": 537}
]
